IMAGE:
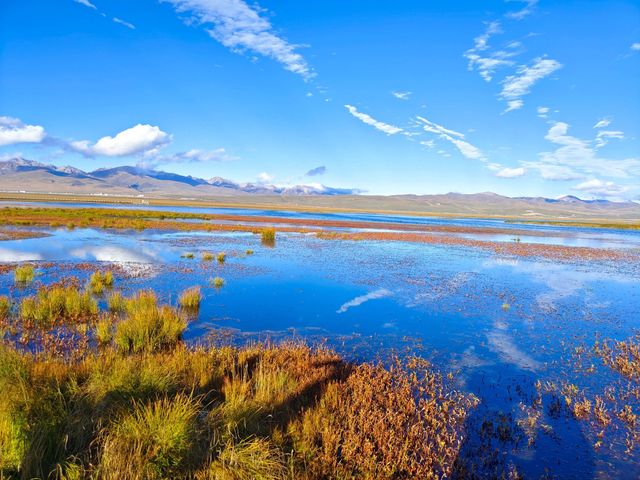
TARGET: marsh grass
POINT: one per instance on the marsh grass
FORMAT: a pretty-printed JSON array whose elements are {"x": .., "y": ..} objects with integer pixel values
[
  {"x": 249, "y": 252},
  {"x": 5, "y": 307},
  {"x": 188, "y": 255},
  {"x": 190, "y": 299},
  {"x": 218, "y": 282},
  {"x": 116, "y": 302},
  {"x": 208, "y": 256},
  {"x": 99, "y": 281},
  {"x": 268, "y": 236},
  {"x": 58, "y": 304},
  {"x": 147, "y": 326},
  {"x": 222, "y": 257},
  {"x": 144, "y": 405},
  {"x": 24, "y": 274}
]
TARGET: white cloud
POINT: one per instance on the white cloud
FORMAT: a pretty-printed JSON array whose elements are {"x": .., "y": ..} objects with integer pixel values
[
  {"x": 488, "y": 63},
  {"x": 576, "y": 158},
  {"x": 604, "y": 135},
  {"x": 635, "y": 47},
  {"x": 241, "y": 28},
  {"x": 265, "y": 177},
  {"x": 516, "y": 86},
  {"x": 510, "y": 172},
  {"x": 13, "y": 131},
  {"x": 601, "y": 188},
  {"x": 383, "y": 127},
  {"x": 455, "y": 138},
  {"x": 380, "y": 293},
  {"x": 126, "y": 24},
  {"x": 514, "y": 105},
  {"x": 86, "y": 3},
  {"x": 401, "y": 95},
  {"x": 428, "y": 143},
  {"x": 525, "y": 11},
  {"x": 543, "y": 111},
  {"x": 605, "y": 122},
  {"x": 139, "y": 139}
]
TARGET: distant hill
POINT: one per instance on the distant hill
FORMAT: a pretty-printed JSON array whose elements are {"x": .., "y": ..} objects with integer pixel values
[{"x": 27, "y": 176}]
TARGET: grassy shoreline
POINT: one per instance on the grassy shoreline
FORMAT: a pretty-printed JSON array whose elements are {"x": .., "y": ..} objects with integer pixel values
[
  {"x": 134, "y": 401},
  {"x": 287, "y": 204}
]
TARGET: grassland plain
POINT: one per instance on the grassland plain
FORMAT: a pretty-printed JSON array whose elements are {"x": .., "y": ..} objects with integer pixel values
[{"x": 132, "y": 401}]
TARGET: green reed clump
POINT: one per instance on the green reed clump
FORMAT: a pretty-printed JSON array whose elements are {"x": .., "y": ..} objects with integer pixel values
[
  {"x": 249, "y": 252},
  {"x": 24, "y": 274},
  {"x": 5, "y": 307},
  {"x": 99, "y": 281},
  {"x": 268, "y": 236},
  {"x": 146, "y": 326},
  {"x": 222, "y": 257},
  {"x": 190, "y": 298},
  {"x": 153, "y": 440},
  {"x": 218, "y": 282},
  {"x": 187, "y": 255},
  {"x": 116, "y": 302},
  {"x": 57, "y": 304},
  {"x": 104, "y": 331},
  {"x": 208, "y": 256}
]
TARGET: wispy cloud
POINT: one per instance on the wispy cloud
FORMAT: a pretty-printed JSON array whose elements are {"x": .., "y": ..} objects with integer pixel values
[
  {"x": 488, "y": 62},
  {"x": 576, "y": 158},
  {"x": 455, "y": 138},
  {"x": 514, "y": 87},
  {"x": 401, "y": 95},
  {"x": 243, "y": 28},
  {"x": 635, "y": 47},
  {"x": 126, "y": 24},
  {"x": 321, "y": 170},
  {"x": 507, "y": 172},
  {"x": 86, "y": 3},
  {"x": 383, "y": 127},
  {"x": 139, "y": 139},
  {"x": 380, "y": 293},
  {"x": 543, "y": 111},
  {"x": 523, "y": 12},
  {"x": 194, "y": 155},
  {"x": 13, "y": 131},
  {"x": 603, "y": 136}
]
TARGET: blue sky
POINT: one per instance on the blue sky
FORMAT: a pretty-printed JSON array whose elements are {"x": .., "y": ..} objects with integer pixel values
[{"x": 516, "y": 97}]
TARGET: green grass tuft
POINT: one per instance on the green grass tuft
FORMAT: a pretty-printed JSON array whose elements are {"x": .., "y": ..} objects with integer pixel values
[
  {"x": 24, "y": 274},
  {"x": 190, "y": 298}
]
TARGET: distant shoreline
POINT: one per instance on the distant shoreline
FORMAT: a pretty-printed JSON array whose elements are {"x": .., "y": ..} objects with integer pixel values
[{"x": 320, "y": 204}]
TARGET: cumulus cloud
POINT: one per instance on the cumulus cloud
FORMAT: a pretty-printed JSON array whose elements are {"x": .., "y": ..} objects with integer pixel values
[
  {"x": 321, "y": 170},
  {"x": 401, "y": 95},
  {"x": 516, "y": 86},
  {"x": 86, "y": 3},
  {"x": 13, "y": 131},
  {"x": 383, "y": 127},
  {"x": 243, "y": 28},
  {"x": 601, "y": 188},
  {"x": 635, "y": 47},
  {"x": 265, "y": 177},
  {"x": 507, "y": 172},
  {"x": 455, "y": 138},
  {"x": 126, "y": 24},
  {"x": 139, "y": 139}
]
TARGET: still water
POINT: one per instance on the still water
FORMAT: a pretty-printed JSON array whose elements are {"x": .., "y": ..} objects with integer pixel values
[{"x": 499, "y": 323}]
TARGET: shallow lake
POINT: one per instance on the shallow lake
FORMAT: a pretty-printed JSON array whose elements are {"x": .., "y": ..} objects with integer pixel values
[{"x": 500, "y": 323}]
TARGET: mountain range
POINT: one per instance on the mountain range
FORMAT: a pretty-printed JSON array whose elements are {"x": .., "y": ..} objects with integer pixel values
[{"x": 19, "y": 175}]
